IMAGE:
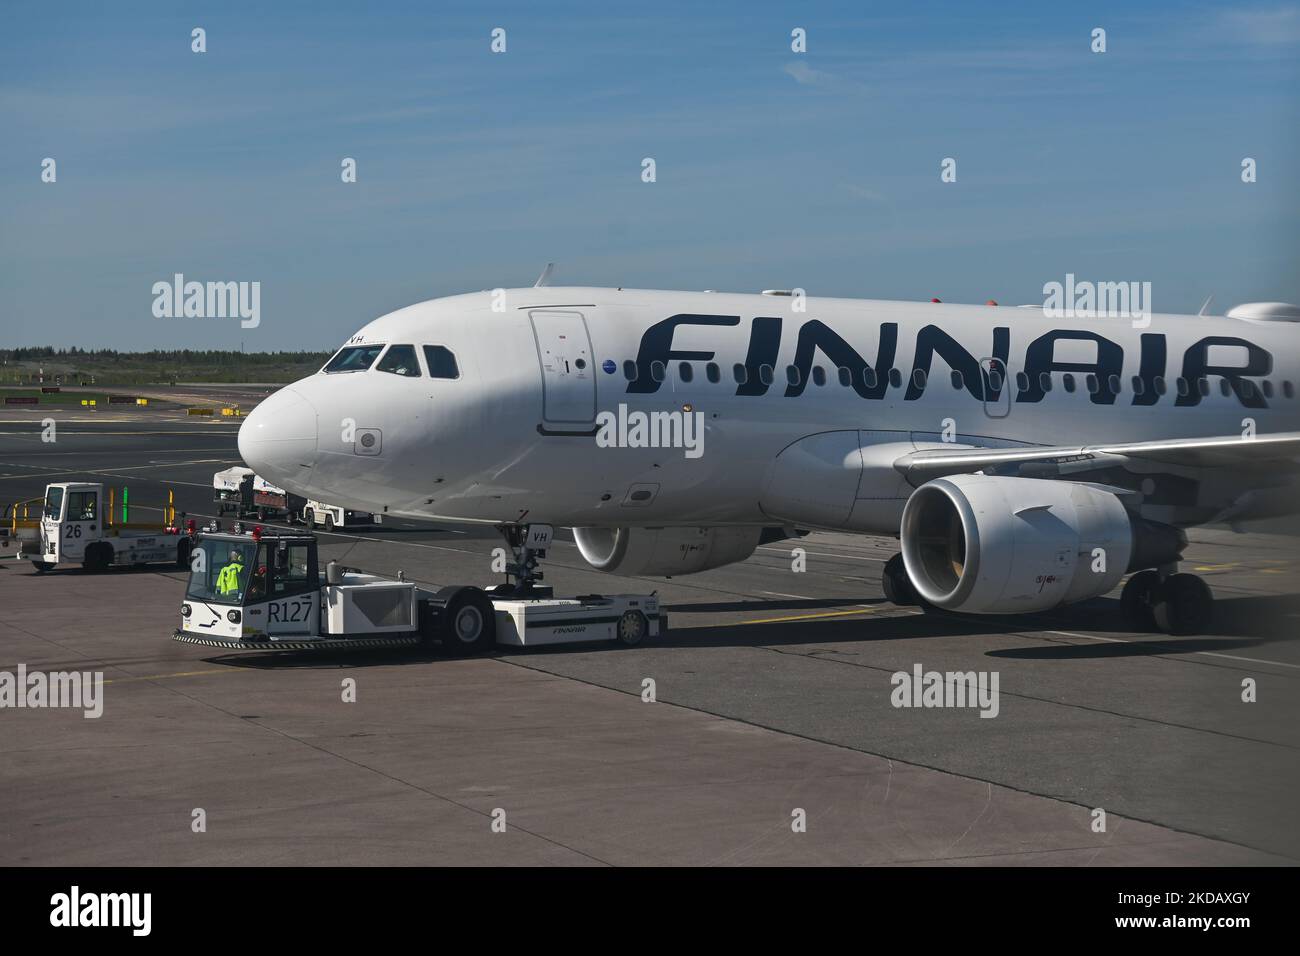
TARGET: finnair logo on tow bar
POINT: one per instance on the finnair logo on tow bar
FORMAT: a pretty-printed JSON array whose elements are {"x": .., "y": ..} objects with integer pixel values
[
  {"x": 103, "y": 909},
  {"x": 636, "y": 429},
  {"x": 950, "y": 689}
]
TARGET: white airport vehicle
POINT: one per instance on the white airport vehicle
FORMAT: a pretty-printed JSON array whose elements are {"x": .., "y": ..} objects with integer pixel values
[
  {"x": 319, "y": 513},
  {"x": 78, "y": 525},
  {"x": 246, "y": 494},
  {"x": 1025, "y": 458},
  {"x": 266, "y": 591}
]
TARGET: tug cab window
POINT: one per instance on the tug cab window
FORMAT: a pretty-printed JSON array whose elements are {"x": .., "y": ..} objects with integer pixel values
[
  {"x": 442, "y": 364},
  {"x": 229, "y": 572},
  {"x": 83, "y": 506},
  {"x": 354, "y": 358},
  {"x": 400, "y": 360},
  {"x": 54, "y": 503}
]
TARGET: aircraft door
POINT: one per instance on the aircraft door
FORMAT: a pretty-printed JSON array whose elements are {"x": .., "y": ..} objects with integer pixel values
[
  {"x": 997, "y": 390},
  {"x": 568, "y": 373}
]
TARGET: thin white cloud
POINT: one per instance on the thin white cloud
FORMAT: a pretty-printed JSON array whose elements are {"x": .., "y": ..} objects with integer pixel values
[
  {"x": 1264, "y": 26},
  {"x": 805, "y": 75}
]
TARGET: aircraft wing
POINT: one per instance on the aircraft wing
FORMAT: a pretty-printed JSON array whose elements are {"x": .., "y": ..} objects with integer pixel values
[{"x": 1228, "y": 451}]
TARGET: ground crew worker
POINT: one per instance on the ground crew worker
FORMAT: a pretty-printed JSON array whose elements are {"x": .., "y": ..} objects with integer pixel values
[{"x": 228, "y": 579}]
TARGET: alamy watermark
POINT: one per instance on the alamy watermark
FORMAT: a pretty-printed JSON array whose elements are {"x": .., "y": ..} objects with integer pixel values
[
  {"x": 208, "y": 300},
  {"x": 637, "y": 429},
  {"x": 1089, "y": 300},
  {"x": 923, "y": 688},
  {"x": 71, "y": 689}
]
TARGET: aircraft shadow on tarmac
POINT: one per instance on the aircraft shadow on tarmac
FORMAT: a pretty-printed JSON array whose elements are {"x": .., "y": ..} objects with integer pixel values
[{"x": 1241, "y": 623}]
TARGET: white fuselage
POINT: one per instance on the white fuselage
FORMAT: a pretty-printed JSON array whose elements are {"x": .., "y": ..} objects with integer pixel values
[{"x": 514, "y": 438}]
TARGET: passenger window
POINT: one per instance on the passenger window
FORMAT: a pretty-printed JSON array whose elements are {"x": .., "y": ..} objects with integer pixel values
[
  {"x": 1045, "y": 381},
  {"x": 657, "y": 371},
  {"x": 1022, "y": 382},
  {"x": 354, "y": 358},
  {"x": 713, "y": 373},
  {"x": 1268, "y": 388},
  {"x": 1114, "y": 384},
  {"x": 1203, "y": 386},
  {"x": 442, "y": 364},
  {"x": 956, "y": 378},
  {"x": 792, "y": 374},
  {"x": 895, "y": 378},
  {"x": 1181, "y": 384},
  {"x": 685, "y": 372},
  {"x": 629, "y": 370},
  {"x": 400, "y": 360},
  {"x": 918, "y": 378},
  {"x": 1288, "y": 390},
  {"x": 740, "y": 373},
  {"x": 869, "y": 377},
  {"x": 1159, "y": 383},
  {"x": 846, "y": 377},
  {"x": 766, "y": 374},
  {"x": 819, "y": 376},
  {"x": 1092, "y": 384},
  {"x": 1224, "y": 387},
  {"x": 1068, "y": 381}
]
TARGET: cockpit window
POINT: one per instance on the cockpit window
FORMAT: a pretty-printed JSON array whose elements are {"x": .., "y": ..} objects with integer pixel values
[
  {"x": 400, "y": 360},
  {"x": 354, "y": 358},
  {"x": 442, "y": 364}
]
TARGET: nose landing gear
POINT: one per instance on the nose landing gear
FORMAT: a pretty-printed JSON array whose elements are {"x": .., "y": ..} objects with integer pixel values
[{"x": 528, "y": 545}]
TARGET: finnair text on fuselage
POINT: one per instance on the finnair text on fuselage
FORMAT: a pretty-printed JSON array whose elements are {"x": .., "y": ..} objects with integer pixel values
[{"x": 983, "y": 371}]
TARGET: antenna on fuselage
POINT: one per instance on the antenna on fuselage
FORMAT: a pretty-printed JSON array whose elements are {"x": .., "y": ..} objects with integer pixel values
[
  {"x": 545, "y": 278},
  {"x": 1205, "y": 305}
]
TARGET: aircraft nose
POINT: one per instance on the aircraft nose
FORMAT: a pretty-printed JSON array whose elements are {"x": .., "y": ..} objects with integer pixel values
[{"x": 278, "y": 438}]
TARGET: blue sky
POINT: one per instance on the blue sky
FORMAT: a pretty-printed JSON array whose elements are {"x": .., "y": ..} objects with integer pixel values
[{"x": 774, "y": 169}]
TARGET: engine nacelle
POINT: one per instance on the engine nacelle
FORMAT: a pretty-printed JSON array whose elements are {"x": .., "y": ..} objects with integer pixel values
[
  {"x": 990, "y": 545},
  {"x": 665, "y": 551}
]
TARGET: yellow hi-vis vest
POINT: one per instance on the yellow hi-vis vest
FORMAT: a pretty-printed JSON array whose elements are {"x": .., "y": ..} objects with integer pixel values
[{"x": 228, "y": 579}]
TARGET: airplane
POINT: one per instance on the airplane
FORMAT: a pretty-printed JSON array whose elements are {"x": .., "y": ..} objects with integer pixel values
[{"x": 1024, "y": 461}]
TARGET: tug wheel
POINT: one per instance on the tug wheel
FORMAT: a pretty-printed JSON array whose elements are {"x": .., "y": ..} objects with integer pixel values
[
  {"x": 468, "y": 621},
  {"x": 632, "y": 628}
]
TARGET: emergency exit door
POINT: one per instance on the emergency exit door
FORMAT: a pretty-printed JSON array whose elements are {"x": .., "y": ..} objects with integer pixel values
[
  {"x": 997, "y": 390},
  {"x": 568, "y": 373}
]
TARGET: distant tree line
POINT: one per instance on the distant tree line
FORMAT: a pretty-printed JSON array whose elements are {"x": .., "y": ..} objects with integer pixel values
[{"x": 183, "y": 357}]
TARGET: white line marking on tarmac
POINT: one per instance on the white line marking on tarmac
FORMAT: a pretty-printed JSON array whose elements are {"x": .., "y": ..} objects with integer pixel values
[{"x": 1227, "y": 657}]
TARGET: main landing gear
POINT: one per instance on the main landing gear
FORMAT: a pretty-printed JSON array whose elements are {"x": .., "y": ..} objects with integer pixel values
[
  {"x": 898, "y": 586},
  {"x": 1153, "y": 600},
  {"x": 1160, "y": 599}
]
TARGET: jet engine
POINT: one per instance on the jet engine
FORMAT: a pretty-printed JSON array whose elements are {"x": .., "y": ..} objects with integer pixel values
[
  {"x": 993, "y": 545},
  {"x": 666, "y": 551}
]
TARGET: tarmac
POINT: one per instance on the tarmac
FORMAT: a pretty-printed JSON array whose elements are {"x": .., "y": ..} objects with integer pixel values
[{"x": 772, "y": 737}]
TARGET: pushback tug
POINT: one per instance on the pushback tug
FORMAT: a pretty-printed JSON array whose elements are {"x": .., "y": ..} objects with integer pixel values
[{"x": 266, "y": 591}]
